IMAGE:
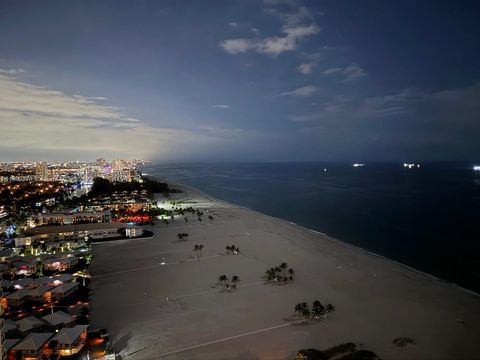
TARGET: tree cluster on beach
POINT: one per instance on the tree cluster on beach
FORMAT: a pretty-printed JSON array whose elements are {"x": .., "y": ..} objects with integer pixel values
[
  {"x": 345, "y": 351},
  {"x": 316, "y": 312},
  {"x": 198, "y": 250},
  {"x": 227, "y": 283},
  {"x": 182, "y": 236},
  {"x": 280, "y": 274},
  {"x": 232, "y": 250},
  {"x": 184, "y": 211}
]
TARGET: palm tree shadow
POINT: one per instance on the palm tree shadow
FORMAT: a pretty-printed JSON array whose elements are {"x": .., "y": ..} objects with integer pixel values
[
  {"x": 302, "y": 323},
  {"x": 246, "y": 356},
  {"x": 121, "y": 343}
]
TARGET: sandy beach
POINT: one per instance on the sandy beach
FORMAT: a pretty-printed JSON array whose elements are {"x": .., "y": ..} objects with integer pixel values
[{"x": 176, "y": 310}]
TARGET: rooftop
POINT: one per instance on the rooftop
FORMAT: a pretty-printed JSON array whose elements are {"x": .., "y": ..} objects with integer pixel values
[
  {"x": 55, "y": 229},
  {"x": 29, "y": 323},
  {"x": 9, "y": 325},
  {"x": 18, "y": 294},
  {"x": 33, "y": 342},
  {"x": 58, "y": 318},
  {"x": 39, "y": 291},
  {"x": 9, "y": 343},
  {"x": 64, "y": 288},
  {"x": 68, "y": 336}
]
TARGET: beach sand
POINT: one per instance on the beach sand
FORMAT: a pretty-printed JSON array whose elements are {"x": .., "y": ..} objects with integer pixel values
[{"x": 177, "y": 310}]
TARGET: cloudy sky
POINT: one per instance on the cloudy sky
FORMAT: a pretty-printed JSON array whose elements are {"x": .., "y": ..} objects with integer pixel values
[{"x": 245, "y": 80}]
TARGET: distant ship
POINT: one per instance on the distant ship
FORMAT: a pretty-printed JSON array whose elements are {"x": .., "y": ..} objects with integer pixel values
[
  {"x": 358, "y": 165},
  {"x": 476, "y": 168},
  {"x": 411, "y": 165}
]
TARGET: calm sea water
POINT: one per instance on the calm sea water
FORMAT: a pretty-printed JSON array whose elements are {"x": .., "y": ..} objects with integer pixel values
[{"x": 427, "y": 218}]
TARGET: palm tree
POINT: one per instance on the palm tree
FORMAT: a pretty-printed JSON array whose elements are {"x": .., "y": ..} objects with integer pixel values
[
  {"x": 270, "y": 274},
  {"x": 283, "y": 266},
  {"x": 317, "y": 309},
  {"x": 236, "y": 250},
  {"x": 228, "y": 248},
  {"x": 298, "y": 309},
  {"x": 88, "y": 259},
  {"x": 302, "y": 309},
  {"x": 198, "y": 249},
  {"x": 235, "y": 280},
  {"x": 306, "y": 312},
  {"x": 329, "y": 308},
  {"x": 291, "y": 273},
  {"x": 223, "y": 279}
]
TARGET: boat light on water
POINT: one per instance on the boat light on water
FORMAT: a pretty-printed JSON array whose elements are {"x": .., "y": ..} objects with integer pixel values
[
  {"x": 358, "y": 165},
  {"x": 476, "y": 168},
  {"x": 410, "y": 166}
]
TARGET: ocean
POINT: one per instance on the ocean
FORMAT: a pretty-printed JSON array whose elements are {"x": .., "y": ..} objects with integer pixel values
[{"x": 427, "y": 218}]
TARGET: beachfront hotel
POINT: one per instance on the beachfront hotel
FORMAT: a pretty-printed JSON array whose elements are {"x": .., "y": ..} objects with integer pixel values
[
  {"x": 68, "y": 217},
  {"x": 78, "y": 233}
]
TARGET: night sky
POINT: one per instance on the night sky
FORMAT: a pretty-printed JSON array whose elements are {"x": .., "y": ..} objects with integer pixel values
[{"x": 245, "y": 80}]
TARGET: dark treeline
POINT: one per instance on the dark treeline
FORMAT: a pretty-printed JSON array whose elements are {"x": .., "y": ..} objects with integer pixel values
[{"x": 105, "y": 187}]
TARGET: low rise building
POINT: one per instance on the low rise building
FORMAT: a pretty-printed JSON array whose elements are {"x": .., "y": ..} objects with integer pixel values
[
  {"x": 71, "y": 340},
  {"x": 68, "y": 218},
  {"x": 31, "y": 324},
  {"x": 25, "y": 283},
  {"x": 81, "y": 232},
  {"x": 60, "y": 264},
  {"x": 40, "y": 294},
  {"x": 17, "y": 298},
  {"x": 59, "y": 319},
  {"x": 61, "y": 279},
  {"x": 33, "y": 347},
  {"x": 10, "y": 328},
  {"x": 62, "y": 292},
  {"x": 5, "y": 253},
  {"x": 26, "y": 268},
  {"x": 8, "y": 345}
]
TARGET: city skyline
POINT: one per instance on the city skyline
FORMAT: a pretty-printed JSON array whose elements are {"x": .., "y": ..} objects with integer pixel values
[{"x": 272, "y": 80}]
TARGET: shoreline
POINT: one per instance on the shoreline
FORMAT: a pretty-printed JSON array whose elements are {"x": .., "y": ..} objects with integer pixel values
[
  {"x": 161, "y": 301},
  {"x": 326, "y": 236}
]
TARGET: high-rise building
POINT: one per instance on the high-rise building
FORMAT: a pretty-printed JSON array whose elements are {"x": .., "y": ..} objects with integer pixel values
[
  {"x": 41, "y": 171},
  {"x": 118, "y": 165}
]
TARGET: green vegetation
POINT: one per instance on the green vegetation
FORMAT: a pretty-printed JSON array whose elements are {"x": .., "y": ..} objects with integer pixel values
[
  {"x": 345, "y": 351},
  {"x": 198, "y": 250},
  {"x": 318, "y": 310},
  {"x": 235, "y": 281},
  {"x": 303, "y": 310},
  {"x": 280, "y": 274},
  {"x": 227, "y": 283},
  {"x": 182, "y": 236},
  {"x": 232, "y": 250},
  {"x": 106, "y": 187}
]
